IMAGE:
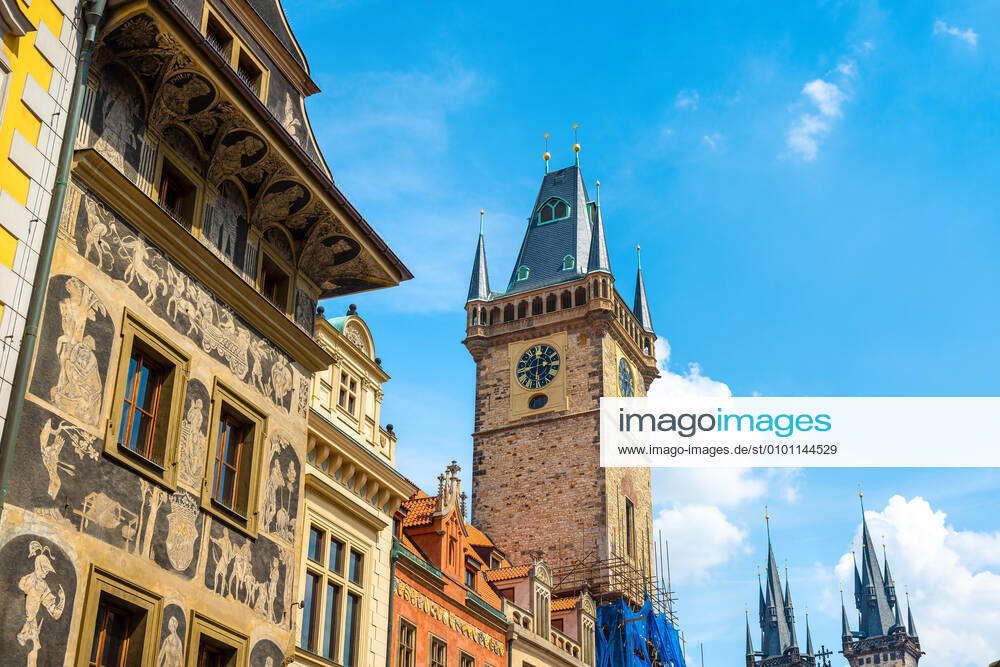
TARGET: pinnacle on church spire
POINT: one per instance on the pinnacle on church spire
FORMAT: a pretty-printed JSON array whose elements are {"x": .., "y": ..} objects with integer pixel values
[
  {"x": 749, "y": 638},
  {"x": 890, "y": 584},
  {"x": 599, "y": 259},
  {"x": 898, "y": 620},
  {"x": 479, "y": 283},
  {"x": 778, "y": 634},
  {"x": 845, "y": 626},
  {"x": 911, "y": 627},
  {"x": 876, "y": 611},
  {"x": 640, "y": 306},
  {"x": 809, "y": 637}
]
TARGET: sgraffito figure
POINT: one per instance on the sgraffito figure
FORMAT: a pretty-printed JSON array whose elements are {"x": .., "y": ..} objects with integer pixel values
[{"x": 39, "y": 600}]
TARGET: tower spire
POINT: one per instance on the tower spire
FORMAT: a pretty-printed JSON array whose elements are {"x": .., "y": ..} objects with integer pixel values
[
  {"x": 479, "y": 283},
  {"x": 777, "y": 633},
  {"x": 576, "y": 143},
  {"x": 640, "y": 306},
  {"x": 746, "y": 612},
  {"x": 845, "y": 626},
  {"x": 876, "y": 611},
  {"x": 809, "y": 637},
  {"x": 911, "y": 628},
  {"x": 546, "y": 155},
  {"x": 599, "y": 260}
]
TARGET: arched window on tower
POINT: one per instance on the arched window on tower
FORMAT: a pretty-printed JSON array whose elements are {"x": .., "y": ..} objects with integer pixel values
[
  {"x": 536, "y": 306},
  {"x": 550, "y": 303},
  {"x": 523, "y": 272},
  {"x": 552, "y": 210},
  {"x": 580, "y": 296},
  {"x": 569, "y": 263}
]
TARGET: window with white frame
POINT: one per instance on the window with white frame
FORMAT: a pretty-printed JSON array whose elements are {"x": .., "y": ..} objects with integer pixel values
[{"x": 334, "y": 596}]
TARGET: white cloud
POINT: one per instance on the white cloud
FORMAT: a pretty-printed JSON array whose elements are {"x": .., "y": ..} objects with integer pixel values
[
  {"x": 953, "y": 577},
  {"x": 687, "y": 99},
  {"x": 712, "y": 140},
  {"x": 726, "y": 487},
  {"x": 688, "y": 384},
  {"x": 701, "y": 538},
  {"x": 969, "y": 36},
  {"x": 828, "y": 97}
]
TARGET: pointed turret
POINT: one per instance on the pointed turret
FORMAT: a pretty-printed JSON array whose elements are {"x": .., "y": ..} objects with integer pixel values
[
  {"x": 857, "y": 581},
  {"x": 599, "y": 259},
  {"x": 749, "y": 638},
  {"x": 777, "y": 635},
  {"x": 890, "y": 585},
  {"x": 790, "y": 613},
  {"x": 479, "y": 284},
  {"x": 898, "y": 620},
  {"x": 809, "y": 638},
  {"x": 557, "y": 242},
  {"x": 845, "y": 626},
  {"x": 876, "y": 612},
  {"x": 911, "y": 627},
  {"x": 640, "y": 306}
]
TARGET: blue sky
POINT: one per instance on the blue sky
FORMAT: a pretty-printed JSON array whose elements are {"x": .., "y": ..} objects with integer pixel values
[{"x": 814, "y": 188}]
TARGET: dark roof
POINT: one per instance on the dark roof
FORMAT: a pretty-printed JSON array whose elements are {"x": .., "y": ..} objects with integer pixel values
[
  {"x": 546, "y": 245},
  {"x": 598, "y": 259},
  {"x": 641, "y": 304},
  {"x": 274, "y": 16},
  {"x": 479, "y": 284}
]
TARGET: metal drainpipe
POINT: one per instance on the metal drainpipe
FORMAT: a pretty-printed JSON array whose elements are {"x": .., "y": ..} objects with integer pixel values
[
  {"x": 392, "y": 577},
  {"x": 92, "y": 15}
]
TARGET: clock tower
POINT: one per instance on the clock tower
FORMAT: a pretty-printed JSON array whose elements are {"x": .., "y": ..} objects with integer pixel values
[{"x": 547, "y": 347}]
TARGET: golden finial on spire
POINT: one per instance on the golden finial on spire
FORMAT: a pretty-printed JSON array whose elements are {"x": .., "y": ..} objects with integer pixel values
[
  {"x": 576, "y": 143},
  {"x": 598, "y": 185},
  {"x": 546, "y": 155},
  {"x": 482, "y": 221}
]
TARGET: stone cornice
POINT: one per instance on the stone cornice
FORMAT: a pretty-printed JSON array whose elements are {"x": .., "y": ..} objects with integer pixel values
[{"x": 93, "y": 170}]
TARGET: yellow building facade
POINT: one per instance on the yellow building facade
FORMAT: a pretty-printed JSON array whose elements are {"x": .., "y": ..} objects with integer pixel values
[
  {"x": 353, "y": 495},
  {"x": 37, "y": 63}
]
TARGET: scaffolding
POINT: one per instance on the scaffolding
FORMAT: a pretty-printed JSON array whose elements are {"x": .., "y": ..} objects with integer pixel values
[{"x": 629, "y": 577}]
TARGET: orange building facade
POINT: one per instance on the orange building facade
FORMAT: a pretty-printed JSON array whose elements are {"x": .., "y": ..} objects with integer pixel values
[{"x": 444, "y": 612}]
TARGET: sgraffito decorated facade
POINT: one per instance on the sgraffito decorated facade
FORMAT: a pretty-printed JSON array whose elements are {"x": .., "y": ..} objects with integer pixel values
[{"x": 157, "y": 490}]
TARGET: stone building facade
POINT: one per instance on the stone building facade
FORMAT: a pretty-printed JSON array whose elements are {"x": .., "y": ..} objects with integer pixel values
[
  {"x": 353, "y": 494},
  {"x": 156, "y": 503},
  {"x": 547, "y": 348},
  {"x": 37, "y": 64}
]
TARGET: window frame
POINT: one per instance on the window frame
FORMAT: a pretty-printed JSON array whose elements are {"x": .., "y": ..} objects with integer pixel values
[
  {"x": 165, "y": 473},
  {"x": 412, "y": 628},
  {"x": 551, "y": 202},
  {"x": 523, "y": 273},
  {"x": 466, "y": 659},
  {"x": 340, "y": 578},
  {"x": 568, "y": 263},
  {"x": 236, "y": 48},
  {"x": 432, "y": 639},
  {"x": 201, "y": 625},
  {"x": 223, "y": 395},
  {"x": 630, "y": 538},
  {"x": 165, "y": 155},
  {"x": 345, "y": 380},
  {"x": 267, "y": 256},
  {"x": 101, "y": 583}
]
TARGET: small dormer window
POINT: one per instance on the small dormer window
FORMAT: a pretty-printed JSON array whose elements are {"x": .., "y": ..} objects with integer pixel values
[
  {"x": 569, "y": 263},
  {"x": 522, "y": 272},
  {"x": 552, "y": 210}
]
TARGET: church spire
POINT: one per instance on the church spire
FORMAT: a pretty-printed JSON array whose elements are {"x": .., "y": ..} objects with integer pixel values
[
  {"x": 599, "y": 259},
  {"x": 845, "y": 626},
  {"x": 640, "y": 306},
  {"x": 876, "y": 612},
  {"x": 777, "y": 635},
  {"x": 749, "y": 638},
  {"x": 809, "y": 637},
  {"x": 479, "y": 284},
  {"x": 911, "y": 627},
  {"x": 557, "y": 241}
]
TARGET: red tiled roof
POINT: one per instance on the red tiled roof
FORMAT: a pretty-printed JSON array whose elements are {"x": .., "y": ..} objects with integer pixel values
[
  {"x": 419, "y": 510},
  {"x": 478, "y": 538},
  {"x": 506, "y": 573},
  {"x": 562, "y": 604}
]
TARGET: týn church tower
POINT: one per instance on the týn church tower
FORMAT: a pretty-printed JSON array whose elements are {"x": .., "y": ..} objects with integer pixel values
[{"x": 547, "y": 347}]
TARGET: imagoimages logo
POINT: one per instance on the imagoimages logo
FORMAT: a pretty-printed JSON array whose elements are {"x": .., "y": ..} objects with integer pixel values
[{"x": 690, "y": 424}]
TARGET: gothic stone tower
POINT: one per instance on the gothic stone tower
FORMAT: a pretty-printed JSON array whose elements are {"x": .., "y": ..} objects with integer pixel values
[
  {"x": 882, "y": 637},
  {"x": 546, "y": 349}
]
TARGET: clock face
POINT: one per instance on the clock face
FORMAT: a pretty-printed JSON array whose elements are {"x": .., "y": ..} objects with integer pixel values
[
  {"x": 626, "y": 387},
  {"x": 538, "y": 366}
]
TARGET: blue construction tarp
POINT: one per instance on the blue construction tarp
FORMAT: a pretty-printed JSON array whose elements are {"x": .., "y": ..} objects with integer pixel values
[{"x": 627, "y": 638}]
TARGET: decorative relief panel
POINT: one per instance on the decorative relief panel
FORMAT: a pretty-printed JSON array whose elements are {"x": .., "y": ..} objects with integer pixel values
[
  {"x": 37, "y": 586},
  {"x": 191, "y": 309},
  {"x": 252, "y": 572}
]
